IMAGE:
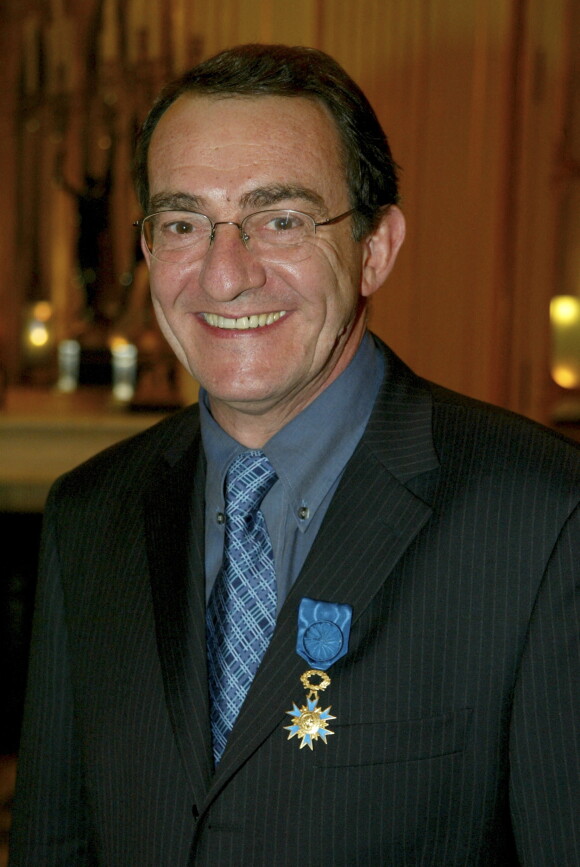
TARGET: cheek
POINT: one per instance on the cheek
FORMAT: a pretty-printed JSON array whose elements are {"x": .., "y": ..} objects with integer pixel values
[
  {"x": 167, "y": 284},
  {"x": 315, "y": 283},
  {"x": 339, "y": 299},
  {"x": 158, "y": 283},
  {"x": 158, "y": 305},
  {"x": 336, "y": 275}
]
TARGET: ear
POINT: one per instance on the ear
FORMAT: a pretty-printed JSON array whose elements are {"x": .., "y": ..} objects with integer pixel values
[
  {"x": 380, "y": 250},
  {"x": 146, "y": 253}
]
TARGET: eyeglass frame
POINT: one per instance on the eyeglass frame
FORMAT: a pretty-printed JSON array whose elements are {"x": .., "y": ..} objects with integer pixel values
[{"x": 244, "y": 237}]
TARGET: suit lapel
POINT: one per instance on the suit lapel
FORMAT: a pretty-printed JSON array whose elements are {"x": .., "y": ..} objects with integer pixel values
[
  {"x": 372, "y": 520},
  {"x": 173, "y": 506}
]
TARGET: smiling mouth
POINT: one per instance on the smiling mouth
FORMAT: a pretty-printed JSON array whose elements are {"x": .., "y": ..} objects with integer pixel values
[{"x": 257, "y": 320}]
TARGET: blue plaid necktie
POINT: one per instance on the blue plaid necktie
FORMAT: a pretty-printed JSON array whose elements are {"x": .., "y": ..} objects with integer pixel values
[{"x": 241, "y": 613}]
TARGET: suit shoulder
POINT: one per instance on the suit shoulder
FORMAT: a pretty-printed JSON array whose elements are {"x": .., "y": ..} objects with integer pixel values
[
  {"x": 470, "y": 437},
  {"x": 132, "y": 461},
  {"x": 500, "y": 436}
]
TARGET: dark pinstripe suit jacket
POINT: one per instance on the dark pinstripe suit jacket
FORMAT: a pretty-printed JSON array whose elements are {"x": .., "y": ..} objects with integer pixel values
[{"x": 454, "y": 535}]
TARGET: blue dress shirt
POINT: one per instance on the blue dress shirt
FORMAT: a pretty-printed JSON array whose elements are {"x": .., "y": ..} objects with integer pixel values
[{"x": 309, "y": 455}]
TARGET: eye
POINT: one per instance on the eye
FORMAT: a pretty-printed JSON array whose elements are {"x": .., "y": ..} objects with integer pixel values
[
  {"x": 173, "y": 226},
  {"x": 180, "y": 228},
  {"x": 285, "y": 221}
]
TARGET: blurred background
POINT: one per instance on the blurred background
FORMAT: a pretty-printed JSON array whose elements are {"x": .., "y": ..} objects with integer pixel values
[{"x": 480, "y": 102}]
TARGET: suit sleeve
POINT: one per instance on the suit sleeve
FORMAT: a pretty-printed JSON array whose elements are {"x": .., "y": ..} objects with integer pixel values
[
  {"x": 50, "y": 823},
  {"x": 545, "y": 731}
]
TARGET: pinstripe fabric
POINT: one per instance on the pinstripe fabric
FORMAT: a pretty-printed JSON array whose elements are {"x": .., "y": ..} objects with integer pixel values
[{"x": 454, "y": 535}]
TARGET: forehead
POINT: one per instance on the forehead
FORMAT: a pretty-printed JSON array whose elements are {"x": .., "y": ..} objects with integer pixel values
[{"x": 245, "y": 142}]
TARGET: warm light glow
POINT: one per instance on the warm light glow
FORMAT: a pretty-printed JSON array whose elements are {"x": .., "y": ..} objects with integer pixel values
[
  {"x": 124, "y": 368},
  {"x": 38, "y": 334},
  {"x": 565, "y": 309},
  {"x": 565, "y": 321},
  {"x": 116, "y": 341},
  {"x": 42, "y": 311},
  {"x": 565, "y": 376}
]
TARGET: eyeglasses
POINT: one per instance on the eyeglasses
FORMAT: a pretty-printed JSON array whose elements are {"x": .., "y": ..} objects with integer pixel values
[{"x": 276, "y": 236}]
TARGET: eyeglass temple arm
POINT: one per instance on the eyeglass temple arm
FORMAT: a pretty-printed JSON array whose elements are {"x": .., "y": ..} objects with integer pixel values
[{"x": 336, "y": 219}]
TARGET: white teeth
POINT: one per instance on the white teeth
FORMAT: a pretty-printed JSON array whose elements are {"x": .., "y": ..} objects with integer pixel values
[{"x": 244, "y": 322}]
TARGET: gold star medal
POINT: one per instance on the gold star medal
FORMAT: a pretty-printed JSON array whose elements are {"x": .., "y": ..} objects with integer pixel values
[
  {"x": 323, "y": 634},
  {"x": 310, "y": 722}
]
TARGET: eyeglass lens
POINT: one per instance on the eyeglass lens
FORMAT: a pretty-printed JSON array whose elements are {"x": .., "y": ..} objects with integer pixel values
[{"x": 183, "y": 236}]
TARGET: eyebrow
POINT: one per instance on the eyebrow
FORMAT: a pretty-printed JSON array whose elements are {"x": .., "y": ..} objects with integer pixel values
[
  {"x": 261, "y": 197},
  {"x": 174, "y": 202},
  {"x": 273, "y": 194}
]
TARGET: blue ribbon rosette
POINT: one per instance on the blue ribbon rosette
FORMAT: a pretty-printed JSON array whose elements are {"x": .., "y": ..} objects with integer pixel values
[{"x": 323, "y": 631}]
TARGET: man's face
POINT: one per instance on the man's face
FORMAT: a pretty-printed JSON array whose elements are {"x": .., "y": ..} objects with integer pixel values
[{"x": 227, "y": 158}]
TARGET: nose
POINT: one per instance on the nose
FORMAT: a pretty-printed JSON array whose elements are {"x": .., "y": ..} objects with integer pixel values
[
  {"x": 244, "y": 238},
  {"x": 228, "y": 268}
]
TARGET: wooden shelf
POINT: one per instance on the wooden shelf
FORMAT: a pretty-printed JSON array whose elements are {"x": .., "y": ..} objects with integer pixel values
[{"x": 44, "y": 433}]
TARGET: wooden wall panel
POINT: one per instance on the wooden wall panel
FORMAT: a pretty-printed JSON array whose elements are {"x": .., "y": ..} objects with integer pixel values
[
  {"x": 10, "y": 297},
  {"x": 437, "y": 74},
  {"x": 548, "y": 43}
]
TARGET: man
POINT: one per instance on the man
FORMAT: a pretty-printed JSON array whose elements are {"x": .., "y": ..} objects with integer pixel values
[{"x": 416, "y": 549}]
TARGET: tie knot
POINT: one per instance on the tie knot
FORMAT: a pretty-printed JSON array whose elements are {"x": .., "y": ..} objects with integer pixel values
[{"x": 249, "y": 478}]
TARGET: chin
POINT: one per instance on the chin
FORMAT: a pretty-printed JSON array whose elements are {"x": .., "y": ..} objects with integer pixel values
[{"x": 232, "y": 380}]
